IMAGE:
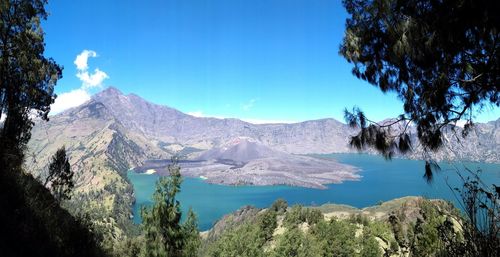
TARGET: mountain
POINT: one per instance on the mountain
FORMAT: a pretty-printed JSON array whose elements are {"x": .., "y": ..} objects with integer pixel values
[
  {"x": 247, "y": 161},
  {"x": 164, "y": 124},
  {"x": 240, "y": 150},
  {"x": 113, "y": 132}
]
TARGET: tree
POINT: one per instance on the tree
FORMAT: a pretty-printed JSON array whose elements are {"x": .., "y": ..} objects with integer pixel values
[
  {"x": 60, "y": 176},
  {"x": 279, "y": 206},
  {"x": 192, "y": 237},
  {"x": 480, "y": 230},
  {"x": 267, "y": 224},
  {"x": 294, "y": 243},
  {"x": 336, "y": 237},
  {"x": 164, "y": 235},
  {"x": 27, "y": 77},
  {"x": 243, "y": 241},
  {"x": 370, "y": 247},
  {"x": 440, "y": 57}
]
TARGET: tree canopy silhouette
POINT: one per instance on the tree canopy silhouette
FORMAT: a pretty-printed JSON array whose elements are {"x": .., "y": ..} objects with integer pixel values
[
  {"x": 440, "y": 57},
  {"x": 27, "y": 77},
  {"x": 60, "y": 176}
]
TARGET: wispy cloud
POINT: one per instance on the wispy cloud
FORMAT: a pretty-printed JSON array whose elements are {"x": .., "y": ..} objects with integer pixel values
[
  {"x": 69, "y": 99},
  {"x": 89, "y": 80},
  {"x": 201, "y": 114},
  {"x": 249, "y": 105},
  {"x": 265, "y": 121},
  {"x": 196, "y": 114}
]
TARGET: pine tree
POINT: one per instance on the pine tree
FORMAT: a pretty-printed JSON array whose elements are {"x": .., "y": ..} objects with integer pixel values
[
  {"x": 440, "y": 58},
  {"x": 191, "y": 235},
  {"x": 60, "y": 176},
  {"x": 164, "y": 234}
]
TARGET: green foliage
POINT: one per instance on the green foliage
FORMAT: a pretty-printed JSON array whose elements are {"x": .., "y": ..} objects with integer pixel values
[
  {"x": 294, "y": 243},
  {"x": 244, "y": 241},
  {"x": 337, "y": 238},
  {"x": 393, "y": 247},
  {"x": 192, "y": 240},
  {"x": 298, "y": 214},
  {"x": 164, "y": 235},
  {"x": 370, "y": 246},
  {"x": 33, "y": 222},
  {"x": 313, "y": 216},
  {"x": 130, "y": 247},
  {"x": 359, "y": 219},
  {"x": 294, "y": 216},
  {"x": 267, "y": 223},
  {"x": 279, "y": 206},
  {"x": 356, "y": 236},
  {"x": 379, "y": 229}
]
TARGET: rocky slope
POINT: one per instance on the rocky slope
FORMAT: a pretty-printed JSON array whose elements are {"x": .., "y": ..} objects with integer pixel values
[
  {"x": 164, "y": 124},
  {"x": 167, "y": 126}
]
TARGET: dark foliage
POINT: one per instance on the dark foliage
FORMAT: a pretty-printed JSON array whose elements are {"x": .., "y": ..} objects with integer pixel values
[
  {"x": 481, "y": 227},
  {"x": 279, "y": 206},
  {"x": 440, "y": 57},
  {"x": 33, "y": 223},
  {"x": 27, "y": 78},
  {"x": 267, "y": 224},
  {"x": 60, "y": 176}
]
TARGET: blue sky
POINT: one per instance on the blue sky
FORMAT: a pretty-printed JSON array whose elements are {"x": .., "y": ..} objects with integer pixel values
[{"x": 259, "y": 60}]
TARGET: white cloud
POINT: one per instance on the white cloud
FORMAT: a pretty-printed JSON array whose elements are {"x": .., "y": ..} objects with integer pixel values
[
  {"x": 79, "y": 96},
  {"x": 196, "y": 114},
  {"x": 92, "y": 80},
  {"x": 200, "y": 114},
  {"x": 249, "y": 105},
  {"x": 69, "y": 99},
  {"x": 82, "y": 59},
  {"x": 89, "y": 80},
  {"x": 263, "y": 121}
]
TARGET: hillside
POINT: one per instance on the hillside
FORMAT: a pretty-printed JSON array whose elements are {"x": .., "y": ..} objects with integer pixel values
[{"x": 393, "y": 228}]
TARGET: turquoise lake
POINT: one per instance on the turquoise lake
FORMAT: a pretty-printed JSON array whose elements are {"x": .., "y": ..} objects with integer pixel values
[{"x": 381, "y": 181}]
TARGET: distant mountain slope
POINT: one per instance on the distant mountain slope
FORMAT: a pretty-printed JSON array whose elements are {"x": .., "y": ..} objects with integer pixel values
[
  {"x": 240, "y": 150},
  {"x": 165, "y": 124}
]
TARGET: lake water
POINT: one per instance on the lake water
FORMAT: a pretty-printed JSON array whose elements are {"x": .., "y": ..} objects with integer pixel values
[{"x": 381, "y": 181}]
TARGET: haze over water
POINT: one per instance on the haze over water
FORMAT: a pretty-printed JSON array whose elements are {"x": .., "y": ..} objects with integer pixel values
[{"x": 381, "y": 181}]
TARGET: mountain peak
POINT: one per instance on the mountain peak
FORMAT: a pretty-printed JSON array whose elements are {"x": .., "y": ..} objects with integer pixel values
[{"x": 110, "y": 91}]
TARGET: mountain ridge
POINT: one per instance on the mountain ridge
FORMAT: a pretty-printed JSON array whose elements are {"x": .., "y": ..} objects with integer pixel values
[{"x": 113, "y": 133}]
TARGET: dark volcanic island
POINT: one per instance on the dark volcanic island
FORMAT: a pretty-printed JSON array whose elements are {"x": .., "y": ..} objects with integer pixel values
[{"x": 244, "y": 161}]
